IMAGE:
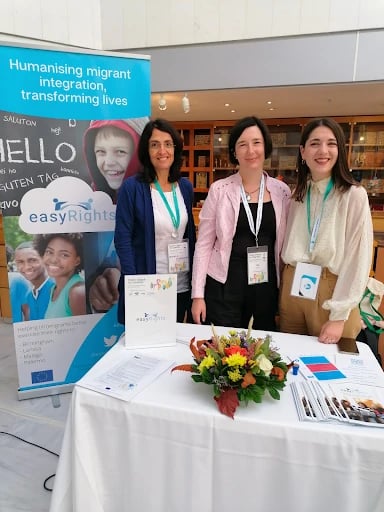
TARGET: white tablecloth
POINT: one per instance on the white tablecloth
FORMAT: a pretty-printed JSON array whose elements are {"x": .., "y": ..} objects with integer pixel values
[{"x": 170, "y": 449}]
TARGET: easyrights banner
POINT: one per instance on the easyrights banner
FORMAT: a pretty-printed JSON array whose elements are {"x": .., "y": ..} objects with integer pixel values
[{"x": 69, "y": 127}]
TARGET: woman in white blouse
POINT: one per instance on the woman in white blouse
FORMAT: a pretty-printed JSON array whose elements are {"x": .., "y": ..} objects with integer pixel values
[{"x": 328, "y": 246}]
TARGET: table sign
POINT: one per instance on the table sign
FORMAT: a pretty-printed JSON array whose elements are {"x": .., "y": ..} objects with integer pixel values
[{"x": 150, "y": 310}]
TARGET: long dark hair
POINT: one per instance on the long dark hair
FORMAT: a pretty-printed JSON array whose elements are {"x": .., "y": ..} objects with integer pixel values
[
  {"x": 342, "y": 178},
  {"x": 148, "y": 173},
  {"x": 237, "y": 130}
]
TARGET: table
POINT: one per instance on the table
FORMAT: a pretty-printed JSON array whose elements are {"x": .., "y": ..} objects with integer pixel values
[{"x": 170, "y": 450}]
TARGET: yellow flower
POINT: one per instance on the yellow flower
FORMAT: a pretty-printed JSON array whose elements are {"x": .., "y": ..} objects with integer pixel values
[
  {"x": 207, "y": 363},
  {"x": 235, "y": 375},
  {"x": 235, "y": 360},
  {"x": 264, "y": 364}
]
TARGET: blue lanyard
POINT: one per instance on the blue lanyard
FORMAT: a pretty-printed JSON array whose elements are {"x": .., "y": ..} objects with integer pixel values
[
  {"x": 175, "y": 218},
  {"x": 313, "y": 233}
]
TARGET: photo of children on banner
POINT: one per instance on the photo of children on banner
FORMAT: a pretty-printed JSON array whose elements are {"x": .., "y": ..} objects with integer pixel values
[
  {"x": 110, "y": 151},
  {"x": 102, "y": 271},
  {"x": 18, "y": 286},
  {"x": 31, "y": 267},
  {"x": 62, "y": 254}
]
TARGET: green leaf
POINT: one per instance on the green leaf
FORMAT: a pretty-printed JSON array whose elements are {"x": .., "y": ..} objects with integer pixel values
[{"x": 274, "y": 393}]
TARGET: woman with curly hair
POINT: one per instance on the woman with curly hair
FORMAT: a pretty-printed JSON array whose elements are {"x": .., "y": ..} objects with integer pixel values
[{"x": 62, "y": 256}]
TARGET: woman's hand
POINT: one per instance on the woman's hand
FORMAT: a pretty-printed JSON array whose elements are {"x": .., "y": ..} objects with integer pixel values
[
  {"x": 331, "y": 331},
  {"x": 198, "y": 311}
]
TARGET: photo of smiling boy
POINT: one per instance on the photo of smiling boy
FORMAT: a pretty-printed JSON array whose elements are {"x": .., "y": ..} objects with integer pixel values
[
  {"x": 30, "y": 265},
  {"x": 62, "y": 254},
  {"x": 110, "y": 150}
]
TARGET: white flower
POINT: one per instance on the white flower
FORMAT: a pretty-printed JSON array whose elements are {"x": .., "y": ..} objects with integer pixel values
[{"x": 264, "y": 364}]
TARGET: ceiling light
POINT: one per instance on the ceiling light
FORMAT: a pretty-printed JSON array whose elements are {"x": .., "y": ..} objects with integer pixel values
[
  {"x": 233, "y": 111},
  {"x": 271, "y": 108},
  {"x": 162, "y": 103},
  {"x": 185, "y": 104},
  {"x": 269, "y": 102},
  {"x": 226, "y": 104}
]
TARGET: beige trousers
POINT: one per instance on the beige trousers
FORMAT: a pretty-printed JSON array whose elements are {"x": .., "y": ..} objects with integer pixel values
[{"x": 306, "y": 316}]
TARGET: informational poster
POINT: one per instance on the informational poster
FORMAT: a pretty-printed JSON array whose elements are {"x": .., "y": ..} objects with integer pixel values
[{"x": 70, "y": 123}]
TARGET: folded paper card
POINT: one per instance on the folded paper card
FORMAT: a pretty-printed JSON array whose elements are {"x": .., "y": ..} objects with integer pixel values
[
  {"x": 150, "y": 310},
  {"x": 320, "y": 368}
]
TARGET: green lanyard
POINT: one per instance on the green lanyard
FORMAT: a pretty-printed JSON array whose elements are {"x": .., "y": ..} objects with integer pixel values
[
  {"x": 175, "y": 218},
  {"x": 315, "y": 230}
]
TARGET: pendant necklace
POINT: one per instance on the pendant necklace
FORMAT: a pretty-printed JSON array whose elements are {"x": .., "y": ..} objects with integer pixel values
[{"x": 248, "y": 195}]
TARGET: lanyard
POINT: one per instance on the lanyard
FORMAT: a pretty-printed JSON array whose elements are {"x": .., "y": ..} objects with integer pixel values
[
  {"x": 175, "y": 218},
  {"x": 316, "y": 226},
  {"x": 259, "y": 216}
]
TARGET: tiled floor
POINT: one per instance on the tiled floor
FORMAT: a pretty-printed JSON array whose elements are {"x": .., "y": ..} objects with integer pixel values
[{"x": 23, "y": 468}]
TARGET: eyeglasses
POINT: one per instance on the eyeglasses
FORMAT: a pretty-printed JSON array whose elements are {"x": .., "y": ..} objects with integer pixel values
[{"x": 155, "y": 145}]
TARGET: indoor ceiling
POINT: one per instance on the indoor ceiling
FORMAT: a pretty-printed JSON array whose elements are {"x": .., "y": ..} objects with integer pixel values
[{"x": 354, "y": 99}]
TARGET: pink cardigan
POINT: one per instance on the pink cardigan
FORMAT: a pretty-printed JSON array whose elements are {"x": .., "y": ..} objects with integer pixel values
[{"x": 218, "y": 221}]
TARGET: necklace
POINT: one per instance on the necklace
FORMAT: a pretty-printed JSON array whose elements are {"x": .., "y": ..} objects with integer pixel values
[{"x": 248, "y": 195}]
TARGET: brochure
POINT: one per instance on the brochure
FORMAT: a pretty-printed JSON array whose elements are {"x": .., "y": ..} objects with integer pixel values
[
  {"x": 150, "y": 310},
  {"x": 128, "y": 377},
  {"x": 344, "y": 402}
]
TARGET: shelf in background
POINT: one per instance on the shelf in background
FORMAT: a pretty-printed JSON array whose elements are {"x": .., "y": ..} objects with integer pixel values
[{"x": 364, "y": 142}]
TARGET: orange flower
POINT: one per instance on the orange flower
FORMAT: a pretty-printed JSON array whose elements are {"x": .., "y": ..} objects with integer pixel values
[
  {"x": 276, "y": 370},
  {"x": 248, "y": 380},
  {"x": 235, "y": 349}
]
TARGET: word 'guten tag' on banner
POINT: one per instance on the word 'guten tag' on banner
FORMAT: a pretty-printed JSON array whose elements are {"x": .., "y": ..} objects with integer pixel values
[
  {"x": 66, "y": 85},
  {"x": 52, "y": 104}
]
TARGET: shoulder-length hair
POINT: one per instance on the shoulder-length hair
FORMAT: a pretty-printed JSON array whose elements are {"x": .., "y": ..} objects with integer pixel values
[
  {"x": 237, "y": 130},
  {"x": 40, "y": 243},
  {"x": 148, "y": 173},
  {"x": 341, "y": 176}
]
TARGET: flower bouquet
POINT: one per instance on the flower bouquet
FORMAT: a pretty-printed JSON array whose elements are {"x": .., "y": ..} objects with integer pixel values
[{"x": 239, "y": 367}]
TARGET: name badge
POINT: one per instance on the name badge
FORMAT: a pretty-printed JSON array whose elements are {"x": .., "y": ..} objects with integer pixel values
[
  {"x": 306, "y": 280},
  {"x": 257, "y": 262},
  {"x": 178, "y": 257}
]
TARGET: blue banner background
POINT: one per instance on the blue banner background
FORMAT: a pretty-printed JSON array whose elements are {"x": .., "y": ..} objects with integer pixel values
[{"x": 68, "y": 85}]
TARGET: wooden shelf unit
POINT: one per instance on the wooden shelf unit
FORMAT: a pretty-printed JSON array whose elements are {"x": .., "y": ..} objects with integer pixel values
[
  {"x": 364, "y": 141},
  {"x": 197, "y": 156}
]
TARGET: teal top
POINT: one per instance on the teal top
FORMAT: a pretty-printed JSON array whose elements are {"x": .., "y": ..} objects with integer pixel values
[{"x": 60, "y": 307}]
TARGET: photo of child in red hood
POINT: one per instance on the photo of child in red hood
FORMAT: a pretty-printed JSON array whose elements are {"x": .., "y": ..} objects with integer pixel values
[{"x": 110, "y": 150}]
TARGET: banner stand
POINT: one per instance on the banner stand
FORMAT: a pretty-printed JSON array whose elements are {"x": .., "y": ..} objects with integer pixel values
[{"x": 62, "y": 115}]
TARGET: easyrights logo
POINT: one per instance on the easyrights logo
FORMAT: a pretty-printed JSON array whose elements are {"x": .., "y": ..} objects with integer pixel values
[
  {"x": 67, "y": 204},
  {"x": 150, "y": 318},
  {"x": 65, "y": 212}
]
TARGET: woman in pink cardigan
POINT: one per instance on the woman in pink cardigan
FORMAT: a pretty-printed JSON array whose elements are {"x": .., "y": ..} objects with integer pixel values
[{"x": 236, "y": 266}]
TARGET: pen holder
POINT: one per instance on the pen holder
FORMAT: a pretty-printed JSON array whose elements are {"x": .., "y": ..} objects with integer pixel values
[{"x": 295, "y": 368}]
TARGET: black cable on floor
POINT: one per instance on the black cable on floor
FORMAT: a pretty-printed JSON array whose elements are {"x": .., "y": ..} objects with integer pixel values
[{"x": 37, "y": 446}]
